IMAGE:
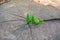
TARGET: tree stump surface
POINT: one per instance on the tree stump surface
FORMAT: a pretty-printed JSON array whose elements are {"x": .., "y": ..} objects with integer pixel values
[{"x": 19, "y": 30}]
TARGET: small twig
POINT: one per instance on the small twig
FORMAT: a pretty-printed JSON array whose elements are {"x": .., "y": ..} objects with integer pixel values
[{"x": 54, "y": 19}]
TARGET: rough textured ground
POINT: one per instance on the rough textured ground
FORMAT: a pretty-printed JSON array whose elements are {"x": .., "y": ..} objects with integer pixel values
[{"x": 18, "y": 30}]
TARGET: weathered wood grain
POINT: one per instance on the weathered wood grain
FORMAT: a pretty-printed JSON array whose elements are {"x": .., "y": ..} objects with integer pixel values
[{"x": 18, "y": 30}]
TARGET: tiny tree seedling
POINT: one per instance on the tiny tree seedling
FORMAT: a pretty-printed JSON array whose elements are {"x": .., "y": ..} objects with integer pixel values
[{"x": 33, "y": 19}]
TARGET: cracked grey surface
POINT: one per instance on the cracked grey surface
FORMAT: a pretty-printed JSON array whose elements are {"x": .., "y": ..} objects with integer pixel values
[{"x": 18, "y": 30}]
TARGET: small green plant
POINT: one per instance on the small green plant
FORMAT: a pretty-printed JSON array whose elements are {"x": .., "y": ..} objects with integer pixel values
[
  {"x": 33, "y": 19},
  {"x": 28, "y": 19}
]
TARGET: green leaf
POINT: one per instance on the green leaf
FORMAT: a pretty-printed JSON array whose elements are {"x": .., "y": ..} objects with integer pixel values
[
  {"x": 27, "y": 18},
  {"x": 33, "y": 18},
  {"x": 41, "y": 20},
  {"x": 36, "y": 21}
]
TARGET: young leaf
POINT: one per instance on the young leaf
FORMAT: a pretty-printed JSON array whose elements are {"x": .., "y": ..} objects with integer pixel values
[
  {"x": 36, "y": 21},
  {"x": 41, "y": 20},
  {"x": 28, "y": 19},
  {"x": 33, "y": 18}
]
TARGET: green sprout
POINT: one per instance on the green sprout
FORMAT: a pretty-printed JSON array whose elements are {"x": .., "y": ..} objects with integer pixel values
[
  {"x": 33, "y": 18},
  {"x": 41, "y": 20},
  {"x": 36, "y": 21},
  {"x": 28, "y": 19}
]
